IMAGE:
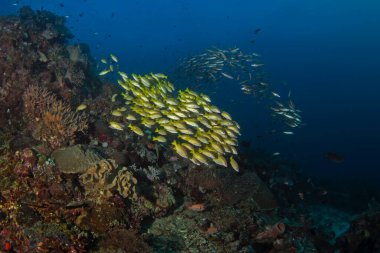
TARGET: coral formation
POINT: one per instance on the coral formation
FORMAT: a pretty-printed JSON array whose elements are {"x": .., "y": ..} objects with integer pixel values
[
  {"x": 51, "y": 120},
  {"x": 104, "y": 177},
  {"x": 74, "y": 159}
]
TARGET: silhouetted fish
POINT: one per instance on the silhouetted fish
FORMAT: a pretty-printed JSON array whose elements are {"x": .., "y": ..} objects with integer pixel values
[
  {"x": 245, "y": 144},
  {"x": 257, "y": 31},
  {"x": 334, "y": 157}
]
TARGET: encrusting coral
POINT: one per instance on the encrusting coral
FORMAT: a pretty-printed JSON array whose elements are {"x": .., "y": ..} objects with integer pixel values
[{"x": 51, "y": 120}]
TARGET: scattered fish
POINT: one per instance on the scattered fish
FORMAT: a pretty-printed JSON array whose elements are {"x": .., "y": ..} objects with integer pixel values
[
  {"x": 116, "y": 125},
  {"x": 214, "y": 63},
  {"x": 212, "y": 230},
  {"x": 234, "y": 164},
  {"x": 81, "y": 107},
  {"x": 104, "y": 72},
  {"x": 116, "y": 113},
  {"x": 197, "y": 207},
  {"x": 114, "y": 58},
  {"x": 227, "y": 76},
  {"x": 287, "y": 113}
]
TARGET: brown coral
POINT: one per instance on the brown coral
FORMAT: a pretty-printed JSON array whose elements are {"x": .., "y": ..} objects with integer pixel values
[
  {"x": 125, "y": 183},
  {"x": 51, "y": 120},
  {"x": 104, "y": 178}
]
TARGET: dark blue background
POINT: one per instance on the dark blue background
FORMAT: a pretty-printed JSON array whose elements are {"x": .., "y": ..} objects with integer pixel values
[{"x": 327, "y": 52}]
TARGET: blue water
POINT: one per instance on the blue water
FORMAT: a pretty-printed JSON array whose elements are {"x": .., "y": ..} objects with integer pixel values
[{"x": 327, "y": 53}]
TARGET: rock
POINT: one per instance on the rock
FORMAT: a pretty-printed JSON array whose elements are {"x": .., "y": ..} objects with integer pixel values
[
  {"x": 26, "y": 216},
  {"x": 122, "y": 240},
  {"x": 363, "y": 235},
  {"x": 74, "y": 159},
  {"x": 231, "y": 188}
]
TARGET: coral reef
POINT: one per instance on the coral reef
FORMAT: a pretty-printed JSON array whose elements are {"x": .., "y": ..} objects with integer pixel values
[
  {"x": 51, "y": 120},
  {"x": 33, "y": 52},
  {"x": 101, "y": 190}
]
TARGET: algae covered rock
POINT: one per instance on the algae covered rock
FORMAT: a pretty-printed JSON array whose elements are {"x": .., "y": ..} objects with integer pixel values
[
  {"x": 227, "y": 188},
  {"x": 122, "y": 240},
  {"x": 178, "y": 234},
  {"x": 74, "y": 159}
]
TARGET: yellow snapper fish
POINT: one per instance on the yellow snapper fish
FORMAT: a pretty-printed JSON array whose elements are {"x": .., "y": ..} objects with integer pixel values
[
  {"x": 220, "y": 160},
  {"x": 160, "y": 131},
  {"x": 207, "y": 153},
  {"x": 180, "y": 150},
  {"x": 136, "y": 129},
  {"x": 234, "y": 164},
  {"x": 116, "y": 125},
  {"x": 130, "y": 117},
  {"x": 104, "y": 72},
  {"x": 81, "y": 107},
  {"x": 159, "y": 139},
  {"x": 123, "y": 75},
  {"x": 226, "y": 115},
  {"x": 117, "y": 113},
  {"x": 114, "y": 58},
  {"x": 199, "y": 157}
]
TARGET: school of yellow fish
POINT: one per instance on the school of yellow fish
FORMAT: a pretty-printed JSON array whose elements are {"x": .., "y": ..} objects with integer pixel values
[{"x": 197, "y": 129}]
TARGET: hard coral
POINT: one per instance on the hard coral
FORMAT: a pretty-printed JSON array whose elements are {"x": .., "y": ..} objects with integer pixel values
[
  {"x": 74, "y": 159},
  {"x": 51, "y": 120},
  {"x": 105, "y": 178}
]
